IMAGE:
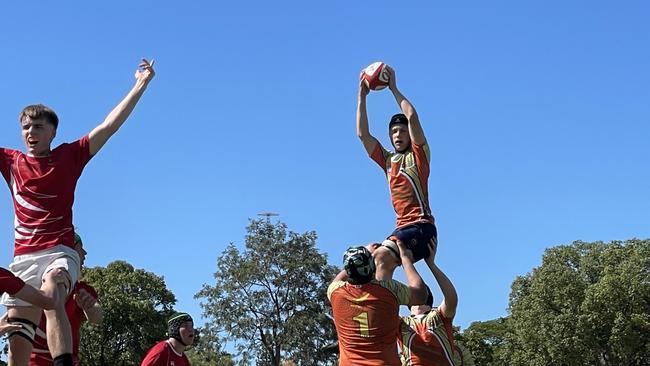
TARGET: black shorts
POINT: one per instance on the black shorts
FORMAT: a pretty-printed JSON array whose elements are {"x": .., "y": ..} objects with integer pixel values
[{"x": 416, "y": 237}]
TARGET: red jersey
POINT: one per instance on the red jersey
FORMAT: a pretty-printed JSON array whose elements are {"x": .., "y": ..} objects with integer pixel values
[
  {"x": 43, "y": 193},
  {"x": 40, "y": 353},
  {"x": 428, "y": 340},
  {"x": 163, "y": 354},
  {"x": 10, "y": 283},
  {"x": 408, "y": 176},
  {"x": 367, "y": 321}
]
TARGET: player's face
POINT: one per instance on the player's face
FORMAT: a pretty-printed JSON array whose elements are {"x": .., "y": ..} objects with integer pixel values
[
  {"x": 399, "y": 135},
  {"x": 187, "y": 332},
  {"x": 37, "y": 136},
  {"x": 420, "y": 309},
  {"x": 82, "y": 253}
]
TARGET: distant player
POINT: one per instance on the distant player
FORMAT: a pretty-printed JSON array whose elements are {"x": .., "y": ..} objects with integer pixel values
[
  {"x": 407, "y": 170},
  {"x": 81, "y": 306},
  {"x": 366, "y": 311},
  {"x": 171, "y": 351},
  {"x": 427, "y": 337},
  {"x": 42, "y": 184}
]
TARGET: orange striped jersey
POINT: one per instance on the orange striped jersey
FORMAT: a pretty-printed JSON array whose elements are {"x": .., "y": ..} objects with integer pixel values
[
  {"x": 367, "y": 321},
  {"x": 428, "y": 340},
  {"x": 408, "y": 176}
]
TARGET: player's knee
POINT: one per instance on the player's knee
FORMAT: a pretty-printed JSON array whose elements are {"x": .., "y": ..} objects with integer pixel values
[
  {"x": 61, "y": 278},
  {"x": 26, "y": 332},
  {"x": 384, "y": 258}
]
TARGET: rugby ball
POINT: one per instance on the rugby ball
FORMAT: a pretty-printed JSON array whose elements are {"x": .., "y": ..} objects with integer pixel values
[{"x": 376, "y": 76}]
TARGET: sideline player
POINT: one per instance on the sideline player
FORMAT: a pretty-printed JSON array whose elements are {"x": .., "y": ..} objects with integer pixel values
[
  {"x": 42, "y": 183},
  {"x": 366, "y": 311},
  {"x": 171, "y": 351},
  {"x": 82, "y": 305},
  {"x": 407, "y": 170}
]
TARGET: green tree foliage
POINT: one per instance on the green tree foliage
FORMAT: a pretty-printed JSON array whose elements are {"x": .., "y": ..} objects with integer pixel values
[
  {"x": 587, "y": 304},
  {"x": 136, "y": 306},
  {"x": 485, "y": 341},
  {"x": 207, "y": 351},
  {"x": 270, "y": 299}
]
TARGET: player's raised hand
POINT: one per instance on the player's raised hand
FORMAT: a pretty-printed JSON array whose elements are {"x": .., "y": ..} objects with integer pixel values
[
  {"x": 404, "y": 252},
  {"x": 433, "y": 248},
  {"x": 392, "y": 81},
  {"x": 145, "y": 71},
  {"x": 363, "y": 87},
  {"x": 84, "y": 299}
]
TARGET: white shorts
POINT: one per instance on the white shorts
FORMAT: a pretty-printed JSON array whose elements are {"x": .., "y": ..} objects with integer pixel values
[{"x": 32, "y": 267}]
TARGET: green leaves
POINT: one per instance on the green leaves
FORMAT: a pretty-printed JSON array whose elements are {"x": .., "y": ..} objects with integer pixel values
[
  {"x": 136, "y": 307},
  {"x": 269, "y": 300},
  {"x": 587, "y": 304}
]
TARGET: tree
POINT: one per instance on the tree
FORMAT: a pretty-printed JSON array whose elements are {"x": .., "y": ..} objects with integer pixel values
[
  {"x": 207, "y": 350},
  {"x": 485, "y": 341},
  {"x": 587, "y": 304},
  {"x": 136, "y": 306},
  {"x": 270, "y": 300}
]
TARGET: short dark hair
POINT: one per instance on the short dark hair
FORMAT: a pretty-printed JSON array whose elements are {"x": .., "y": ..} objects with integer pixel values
[
  {"x": 37, "y": 111},
  {"x": 398, "y": 119}
]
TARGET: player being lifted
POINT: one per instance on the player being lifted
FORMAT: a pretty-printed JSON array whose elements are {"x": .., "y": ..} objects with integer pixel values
[
  {"x": 407, "y": 170},
  {"x": 42, "y": 184}
]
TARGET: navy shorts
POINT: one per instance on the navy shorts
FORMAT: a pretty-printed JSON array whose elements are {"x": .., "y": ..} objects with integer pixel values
[{"x": 416, "y": 237}]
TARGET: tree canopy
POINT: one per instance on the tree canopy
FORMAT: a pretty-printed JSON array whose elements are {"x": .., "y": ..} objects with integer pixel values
[
  {"x": 136, "y": 306},
  {"x": 270, "y": 299}
]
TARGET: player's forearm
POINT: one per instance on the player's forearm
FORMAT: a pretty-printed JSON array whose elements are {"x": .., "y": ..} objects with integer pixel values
[
  {"x": 447, "y": 288},
  {"x": 121, "y": 112},
  {"x": 414, "y": 281},
  {"x": 363, "y": 131},
  {"x": 114, "y": 120},
  {"x": 37, "y": 297},
  {"x": 405, "y": 106}
]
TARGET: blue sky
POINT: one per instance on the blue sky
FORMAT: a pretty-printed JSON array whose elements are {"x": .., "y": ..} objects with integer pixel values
[{"x": 537, "y": 115}]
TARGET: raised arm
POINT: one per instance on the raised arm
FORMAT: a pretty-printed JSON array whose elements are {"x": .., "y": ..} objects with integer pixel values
[
  {"x": 363, "y": 131},
  {"x": 415, "y": 129},
  {"x": 413, "y": 279},
  {"x": 449, "y": 296},
  {"x": 121, "y": 112}
]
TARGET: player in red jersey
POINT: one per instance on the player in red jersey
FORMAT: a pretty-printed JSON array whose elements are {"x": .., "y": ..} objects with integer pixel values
[
  {"x": 427, "y": 336},
  {"x": 42, "y": 184},
  {"x": 366, "y": 311},
  {"x": 171, "y": 351},
  {"x": 82, "y": 305},
  {"x": 407, "y": 171}
]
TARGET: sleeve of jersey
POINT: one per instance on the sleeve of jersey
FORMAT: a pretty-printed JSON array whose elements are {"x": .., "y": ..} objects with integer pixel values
[
  {"x": 400, "y": 290},
  {"x": 332, "y": 287},
  {"x": 5, "y": 158},
  {"x": 82, "y": 152},
  {"x": 422, "y": 157},
  {"x": 380, "y": 156},
  {"x": 10, "y": 283}
]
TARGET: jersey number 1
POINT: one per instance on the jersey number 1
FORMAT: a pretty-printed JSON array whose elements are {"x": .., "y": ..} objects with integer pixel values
[{"x": 362, "y": 319}]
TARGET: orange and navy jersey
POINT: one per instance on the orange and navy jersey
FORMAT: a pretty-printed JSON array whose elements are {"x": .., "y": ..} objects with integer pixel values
[
  {"x": 428, "y": 340},
  {"x": 367, "y": 321},
  {"x": 408, "y": 176}
]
